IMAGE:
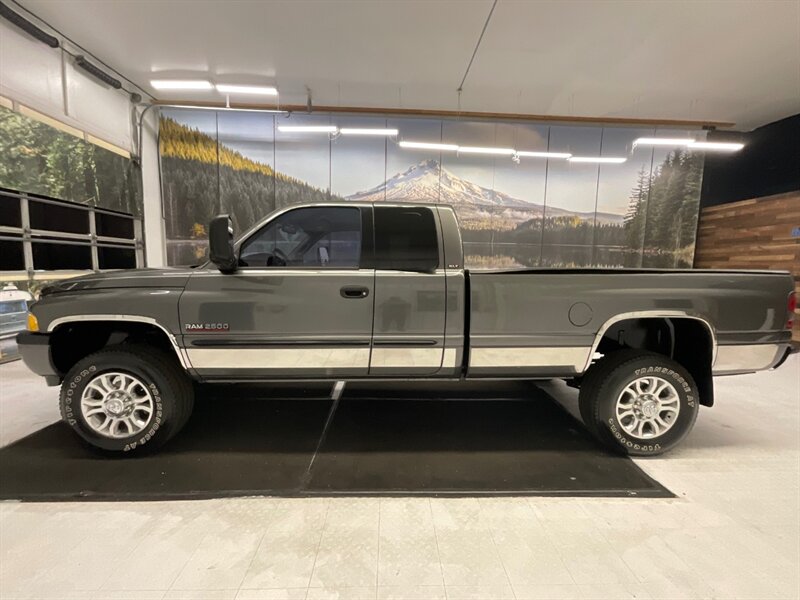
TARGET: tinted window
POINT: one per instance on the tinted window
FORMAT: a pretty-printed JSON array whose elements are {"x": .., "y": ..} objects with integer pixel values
[
  {"x": 117, "y": 226},
  {"x": 9, "y": 211},
  {"x": 57, "y": 217},
  {"x": 52, "y": 256},
  {"x": 116, "y": 258},
  {"x": 405, "y": 239},
  {"x": 323, "y": 237},
  {"x": 12, "y": 257}
]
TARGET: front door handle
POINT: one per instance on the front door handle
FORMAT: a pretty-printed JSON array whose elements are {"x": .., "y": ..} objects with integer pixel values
[{"x": 354, "y": 291}]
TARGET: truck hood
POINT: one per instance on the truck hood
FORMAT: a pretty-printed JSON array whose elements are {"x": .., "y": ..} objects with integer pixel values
[{"x": 136, "y": 278}]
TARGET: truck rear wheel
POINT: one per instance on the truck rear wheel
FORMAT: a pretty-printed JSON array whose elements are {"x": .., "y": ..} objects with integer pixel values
[
  {"x": 639, "y": 402},
  {"x": 128, "y": 398}
]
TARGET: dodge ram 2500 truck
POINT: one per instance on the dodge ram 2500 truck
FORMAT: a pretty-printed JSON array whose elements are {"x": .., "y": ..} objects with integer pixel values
[{"x": 359, "y": 291}]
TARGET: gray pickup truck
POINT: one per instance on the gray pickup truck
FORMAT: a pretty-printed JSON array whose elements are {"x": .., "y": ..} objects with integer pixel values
[{"x": 365, "y": 291}]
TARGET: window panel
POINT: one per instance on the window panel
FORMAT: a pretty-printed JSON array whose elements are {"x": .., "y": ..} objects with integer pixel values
[
  {"x": 55, "y": 217},
  {"x": 12, "y": 257},
  {"x": 323, "y": 237},
  {"x": 571, "y": 198},
  {"x": 52, "y": 256},
  {"x": 10, "y": 211},
  {"x": 622, "y": 191},
  {"x": 302, "y": 160},
  {"x": 117, "y": 226},
  {"x": 412, "y": 175},
  {"x": 358, "y": 162},
  {"x": 116, "y": 258},
  {"x": 673, "y": 203},
  {"x": 406, "y": 239},
  {"x": 246, "y": 170}
]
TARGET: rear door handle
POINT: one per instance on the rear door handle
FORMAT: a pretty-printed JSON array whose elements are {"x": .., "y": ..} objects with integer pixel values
[{"x": 354, "y": 291}]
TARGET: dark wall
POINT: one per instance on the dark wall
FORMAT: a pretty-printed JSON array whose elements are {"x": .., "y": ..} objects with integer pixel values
[{"x": 768, "y": 164}]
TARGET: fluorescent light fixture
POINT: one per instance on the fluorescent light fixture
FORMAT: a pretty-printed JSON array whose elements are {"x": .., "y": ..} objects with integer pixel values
[
  {"x": 720, "y": 146},
  {"x": 544, "y": 154},
  {"x": 259, "y": 90},
  {"x": 181, "y": 84},
  {"x": 307, "y": 128},
  {"x": 598, "y": 159},
  {"x": 222, "y": 108},
  {"x": 366, "y": 131},
  {"x": 428, "y": 146},
  {"x": 479, "y": 150},
  {"x": 645, "y": 141}
]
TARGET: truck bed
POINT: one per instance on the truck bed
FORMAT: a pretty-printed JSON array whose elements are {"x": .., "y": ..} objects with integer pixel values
[{"x": 553, "y": 318}]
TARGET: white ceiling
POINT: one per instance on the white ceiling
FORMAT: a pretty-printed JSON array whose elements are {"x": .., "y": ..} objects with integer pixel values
[{"x": 702, "y": 60}]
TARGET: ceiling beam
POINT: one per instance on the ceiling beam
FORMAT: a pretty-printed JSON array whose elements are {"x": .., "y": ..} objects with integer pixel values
[{"x": 453, "y": 114}]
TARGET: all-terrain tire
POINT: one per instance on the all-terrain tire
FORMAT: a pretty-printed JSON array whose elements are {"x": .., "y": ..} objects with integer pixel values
[
  {"x": 169, "y": 387},
  {"x": 604, "y": 385}
]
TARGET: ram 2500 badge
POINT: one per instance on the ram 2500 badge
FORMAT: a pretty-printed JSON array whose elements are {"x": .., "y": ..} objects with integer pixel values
[{"x": 359, "y": 291}]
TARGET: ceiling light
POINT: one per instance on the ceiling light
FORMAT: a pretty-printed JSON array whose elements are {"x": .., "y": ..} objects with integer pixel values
[
  {"x": 307, "y": 128},
  {"x": 645, "y": 141},
  {"x": 428, "y": 146},
  {"x": 479, "y": 150},
  {"x": 721, "y": 146},
  {"x": 544, "y": 154},
  {"x": 222, "y": 108},
  {"x": 181, "y": 84},
  {"x": 262, "y": 90},
  {"x": 598, "y": 159},
  {"x": 357, "y": 131}
]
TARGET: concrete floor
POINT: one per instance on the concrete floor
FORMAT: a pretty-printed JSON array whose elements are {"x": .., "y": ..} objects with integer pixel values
[{"x": 732, "y": 532}]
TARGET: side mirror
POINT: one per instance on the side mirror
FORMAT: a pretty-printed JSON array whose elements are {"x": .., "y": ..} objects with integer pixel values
[{"x": 220, "y": 243}]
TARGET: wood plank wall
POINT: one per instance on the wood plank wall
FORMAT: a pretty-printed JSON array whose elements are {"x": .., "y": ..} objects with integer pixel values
[{"x": 752, "y": 234}]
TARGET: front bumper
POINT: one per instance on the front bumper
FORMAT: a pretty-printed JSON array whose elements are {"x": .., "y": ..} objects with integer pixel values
[{"x": 35, "y": 351}]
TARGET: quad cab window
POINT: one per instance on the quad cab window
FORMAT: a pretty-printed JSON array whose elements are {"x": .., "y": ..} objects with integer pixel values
[
  {"x": 319, "y": 237},
  {"x": 406, "y": 239}
]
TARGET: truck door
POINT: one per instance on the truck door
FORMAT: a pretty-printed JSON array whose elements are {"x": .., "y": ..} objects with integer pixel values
[
  {"x": 299, "y": 305},
  {"x": 410, "y": 293}
]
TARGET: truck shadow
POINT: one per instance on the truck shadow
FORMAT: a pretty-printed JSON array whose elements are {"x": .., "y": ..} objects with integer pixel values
[{"x": 464, "y": 439}]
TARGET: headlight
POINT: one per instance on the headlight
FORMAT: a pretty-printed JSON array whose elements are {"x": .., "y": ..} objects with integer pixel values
[{"x": 33, "y": 322}]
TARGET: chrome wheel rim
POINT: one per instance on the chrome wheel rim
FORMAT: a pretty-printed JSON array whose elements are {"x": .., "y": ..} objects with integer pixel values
[
  {"x": 117, "y": 405},
  {"x": 648, "y": 407}
]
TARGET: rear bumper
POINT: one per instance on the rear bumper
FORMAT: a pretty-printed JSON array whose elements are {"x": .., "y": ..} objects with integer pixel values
[
  {"x": 35, "y": 351},
  {"x": 737, "y": 359},
  {"x": 794, "y": 348}
]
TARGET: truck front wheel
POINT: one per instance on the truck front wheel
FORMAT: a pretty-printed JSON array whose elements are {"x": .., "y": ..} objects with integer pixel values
[
  {"x": 639, "y": 402},
  {"x": 127, "y": 398}
]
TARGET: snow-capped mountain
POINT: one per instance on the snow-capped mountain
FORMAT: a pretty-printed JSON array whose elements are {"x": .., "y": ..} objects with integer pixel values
[{"x": 427, "y": 182}]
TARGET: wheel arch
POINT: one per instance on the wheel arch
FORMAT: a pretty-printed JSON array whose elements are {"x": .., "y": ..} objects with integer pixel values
[
  {"x": 103, "y": 328},
  {"x": 690, "y": 339}
]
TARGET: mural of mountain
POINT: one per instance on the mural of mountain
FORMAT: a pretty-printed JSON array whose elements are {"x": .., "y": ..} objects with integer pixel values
[
  {"x": 426, "y": 182},
  {"x": 201, "y": 176}
]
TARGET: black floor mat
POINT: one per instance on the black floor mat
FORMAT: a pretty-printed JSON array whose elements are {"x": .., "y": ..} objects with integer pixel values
[{"x": 485, "y": 438}]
